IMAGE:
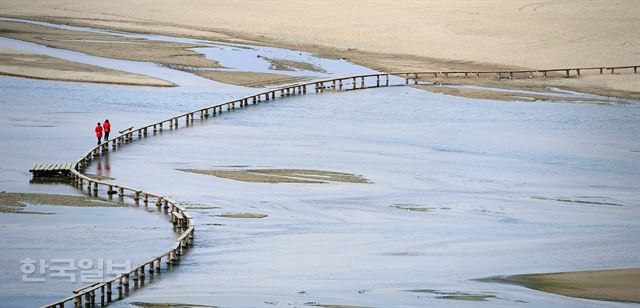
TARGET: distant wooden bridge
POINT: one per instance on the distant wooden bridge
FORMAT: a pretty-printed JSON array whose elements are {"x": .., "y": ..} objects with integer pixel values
[
  {"x": 181, "y": 219},
  {"x": 511, "y": 74}
]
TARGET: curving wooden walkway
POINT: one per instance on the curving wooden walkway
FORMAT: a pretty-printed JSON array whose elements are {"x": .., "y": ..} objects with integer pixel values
[{"x": 181, "y": 219}]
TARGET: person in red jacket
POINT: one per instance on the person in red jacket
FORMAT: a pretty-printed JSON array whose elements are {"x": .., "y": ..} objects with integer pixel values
[
  {"x": 107, "y": 129},
  {"x": 99, "y": 132}
]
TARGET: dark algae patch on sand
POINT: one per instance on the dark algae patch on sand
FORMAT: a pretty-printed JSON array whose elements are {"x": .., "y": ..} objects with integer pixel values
[
  {"x": 580, "y": 200},
  {"x": 461, "y": 296},
  {"x": 241, "y": 215},
  {"x": 298, "y": 176},
  {"x": 168, "y": 305},
  {"x": 16, "y": 202},
  {"x": 620, "y": 285}
]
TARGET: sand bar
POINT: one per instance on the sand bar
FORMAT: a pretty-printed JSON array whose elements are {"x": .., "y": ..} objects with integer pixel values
[
  {"x": 249, "y": 79},
  {"x": 622, "y": 285},
  {"x": 20, "y": 64}
]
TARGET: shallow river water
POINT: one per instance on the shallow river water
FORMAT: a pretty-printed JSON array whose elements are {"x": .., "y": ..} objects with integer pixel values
[
  {"x": 509, "y": 188},
  {"x": 514, "y": 187}
]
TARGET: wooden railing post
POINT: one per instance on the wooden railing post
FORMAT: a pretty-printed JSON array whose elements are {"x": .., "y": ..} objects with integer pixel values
[{"x": 102, "y": 297}]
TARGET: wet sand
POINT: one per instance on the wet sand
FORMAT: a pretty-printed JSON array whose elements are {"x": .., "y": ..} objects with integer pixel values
[
  {"x": 16, "y": 202},
  {"x": 460, "y": 296},
  {"x": 167, "y": 305},
  {"x": 289, "y": 65},
  {"x": 273, "y": 176},
  {"x": 621, "y": 285},
  {"x": 20, "y": 64},
  {"x": 603, "y": 85},
  {"x": 241, "y": 215},
  {"x": 249, "y": 79},
  {"x": 394, "y": 36}
]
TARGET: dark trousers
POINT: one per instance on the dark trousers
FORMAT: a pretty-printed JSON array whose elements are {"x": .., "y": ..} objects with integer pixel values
[
  {"x": 106, "y": 136},
  {"x": 99, "y": 140}
]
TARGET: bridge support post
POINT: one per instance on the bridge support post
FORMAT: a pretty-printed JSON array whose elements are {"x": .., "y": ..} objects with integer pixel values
[
  {"x": 108, "y": 292},
  {"x": 353, "y": 83}
]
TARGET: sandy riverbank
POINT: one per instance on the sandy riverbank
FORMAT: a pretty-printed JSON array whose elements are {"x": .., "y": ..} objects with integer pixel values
[
  {"x": 20, "y": 64},
  {"x": 392, "y": 36},
  {"x": 174, "y": 55},
  {"x": 610, "y": 285}
]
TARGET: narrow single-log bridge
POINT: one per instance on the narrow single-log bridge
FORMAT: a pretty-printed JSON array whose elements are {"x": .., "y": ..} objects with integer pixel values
[{"x": 181, "y": 219}]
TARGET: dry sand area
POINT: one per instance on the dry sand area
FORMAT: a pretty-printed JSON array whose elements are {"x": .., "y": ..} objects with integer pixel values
[
  {"x": 392, "y": 35},
  {"x": 621, "y": 285},
  {"x": 20, "y": 64}
]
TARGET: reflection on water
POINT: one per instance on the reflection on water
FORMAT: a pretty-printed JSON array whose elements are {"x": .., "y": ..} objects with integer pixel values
[{"x": 103, "y": 167}]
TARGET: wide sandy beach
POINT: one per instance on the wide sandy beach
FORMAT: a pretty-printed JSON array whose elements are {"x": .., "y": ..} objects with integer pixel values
[{"x": 394, "y": 36}]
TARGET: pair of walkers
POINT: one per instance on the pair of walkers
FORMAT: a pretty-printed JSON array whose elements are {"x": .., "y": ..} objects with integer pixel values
[{"x": 106, "y": 128}]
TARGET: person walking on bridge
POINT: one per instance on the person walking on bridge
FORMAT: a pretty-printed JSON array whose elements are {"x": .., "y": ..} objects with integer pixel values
[
  {"x": 107, "y": 128},
  {"x": 99, "y": 132}
]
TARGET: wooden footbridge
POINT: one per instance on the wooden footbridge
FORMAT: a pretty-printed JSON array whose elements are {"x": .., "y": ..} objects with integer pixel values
[
  {"x": 513, "y": 74},
  {"x": 181, "y": 219}
]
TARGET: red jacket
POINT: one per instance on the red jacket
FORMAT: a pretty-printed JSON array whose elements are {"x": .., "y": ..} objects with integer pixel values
[
  {"x": 99, "y": 131},
  {"x": 107, "y": 127}
]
